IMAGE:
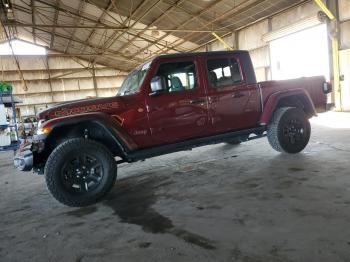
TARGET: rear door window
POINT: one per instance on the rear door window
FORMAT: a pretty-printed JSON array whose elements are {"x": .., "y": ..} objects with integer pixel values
[{"x": 223, "y": 72}]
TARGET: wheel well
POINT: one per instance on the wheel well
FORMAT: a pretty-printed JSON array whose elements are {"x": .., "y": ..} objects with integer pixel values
[
  {"x": 298, "y": 101},
  {"x": 92, "y": 130}
]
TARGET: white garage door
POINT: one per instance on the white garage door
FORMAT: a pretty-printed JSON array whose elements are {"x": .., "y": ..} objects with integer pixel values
[{"x": 301, "y": 54}]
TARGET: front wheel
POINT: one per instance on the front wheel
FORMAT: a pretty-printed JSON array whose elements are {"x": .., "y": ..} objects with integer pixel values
[
  {"x": 289, "y": 130},
  {"x": 80, "y": 171}
]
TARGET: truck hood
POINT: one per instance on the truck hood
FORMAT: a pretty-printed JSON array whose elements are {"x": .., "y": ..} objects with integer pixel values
[{"x": 106, "y": 105}]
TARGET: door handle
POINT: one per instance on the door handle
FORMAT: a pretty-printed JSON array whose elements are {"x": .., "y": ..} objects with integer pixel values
[
  {"x": 238, "y": 94},
  {"x": 198, "y": 101}
]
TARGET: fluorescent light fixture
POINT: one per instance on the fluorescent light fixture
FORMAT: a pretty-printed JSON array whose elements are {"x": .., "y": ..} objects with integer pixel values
[{"x": 21, "y": 48}]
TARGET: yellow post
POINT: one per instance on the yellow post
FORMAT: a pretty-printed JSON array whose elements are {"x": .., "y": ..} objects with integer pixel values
[
  {"x": 325, "y": 9},
  {"x": 336, "y": 75},
  {"x": 335, "y": 56},
  {"x": 222, "y": 41}
]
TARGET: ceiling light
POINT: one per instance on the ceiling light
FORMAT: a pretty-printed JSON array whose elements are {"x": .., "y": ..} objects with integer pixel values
[{"x": 155, "y": 33}]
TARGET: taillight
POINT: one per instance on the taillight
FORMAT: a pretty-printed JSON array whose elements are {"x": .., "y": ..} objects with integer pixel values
[{"x": 327, "y": 87}]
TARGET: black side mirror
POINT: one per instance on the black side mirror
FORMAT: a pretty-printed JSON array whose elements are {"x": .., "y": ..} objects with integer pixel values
[{"x": 157, "y": 85}]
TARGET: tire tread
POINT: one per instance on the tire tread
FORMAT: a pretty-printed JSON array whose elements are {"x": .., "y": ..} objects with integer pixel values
[{"x": 51, "y": 165}]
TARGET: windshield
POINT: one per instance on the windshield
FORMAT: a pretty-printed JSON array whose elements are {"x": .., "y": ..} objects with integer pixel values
[{"x": 133, "y": 81}]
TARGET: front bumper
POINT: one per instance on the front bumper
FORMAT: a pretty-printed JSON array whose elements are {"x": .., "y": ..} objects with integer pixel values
[{"x": 23, "y": 160}]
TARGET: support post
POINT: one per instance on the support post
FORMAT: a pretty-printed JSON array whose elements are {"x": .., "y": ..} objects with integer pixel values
[
  {"x": 332, "y": 13},
  {"x": 227, "y": 46},
  {"x": 94, "y": 79}
]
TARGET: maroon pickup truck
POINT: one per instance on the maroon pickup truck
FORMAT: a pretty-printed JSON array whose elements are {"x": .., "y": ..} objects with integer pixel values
[{"x": 172, "y": 103}]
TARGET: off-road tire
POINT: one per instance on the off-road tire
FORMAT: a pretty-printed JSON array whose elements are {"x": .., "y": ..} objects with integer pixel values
[
  {"x": 62, "y": 154},
  {"x": 278, "y": 130}
]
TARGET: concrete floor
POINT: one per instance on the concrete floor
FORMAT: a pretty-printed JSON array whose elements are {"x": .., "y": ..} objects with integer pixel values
[{"x": 217, "y": 203}]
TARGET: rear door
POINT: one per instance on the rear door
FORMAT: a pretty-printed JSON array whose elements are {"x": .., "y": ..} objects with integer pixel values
[
  {"x": 233, "y": 104},
  {"x": 181, "y": 111}
]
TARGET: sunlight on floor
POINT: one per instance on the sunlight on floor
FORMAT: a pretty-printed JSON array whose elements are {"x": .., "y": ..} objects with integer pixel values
[{"x": 332, "y": 119}]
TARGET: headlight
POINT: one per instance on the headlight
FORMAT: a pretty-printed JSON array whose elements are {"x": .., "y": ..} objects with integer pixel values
[{"x": 43, "y": 130}]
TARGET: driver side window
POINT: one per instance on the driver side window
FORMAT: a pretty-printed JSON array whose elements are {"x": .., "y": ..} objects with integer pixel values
[{"x": 179, "y": 76}]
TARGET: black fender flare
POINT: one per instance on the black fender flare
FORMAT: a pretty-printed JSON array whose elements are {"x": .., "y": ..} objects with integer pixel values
[{"x": 111, "y": 126}]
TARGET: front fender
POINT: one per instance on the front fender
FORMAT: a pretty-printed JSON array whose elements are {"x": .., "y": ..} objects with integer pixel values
[
  {"x": 109, "y": 124},
  {"x": 274, "y": 99}
]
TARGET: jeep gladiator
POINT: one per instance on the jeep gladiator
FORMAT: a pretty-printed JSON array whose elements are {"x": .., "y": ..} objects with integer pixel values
[{"x": 171, "y": 103}]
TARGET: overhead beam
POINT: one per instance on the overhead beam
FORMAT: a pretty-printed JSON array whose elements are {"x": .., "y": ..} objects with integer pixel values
[
  {"x": 325, "y": 9},
  {"x": 184, "y": 24},
  {"x": 250, "y": 24},
  {"x": 33, "y": 19},
  {"x": 116, "y": 28},
  {"x": 114, "y": 37},
  {"x": 222, "y": 41},
  {"x": 222, "y": 16},
  {"x": 73, "y": 12},
  {"x": 52, "y": 40},
  {"x": 76, "y": 22},
  {"x": 165, "y": 13},
  {"x": 99, "y": 20},
  {"x": 94, "y": 47}
]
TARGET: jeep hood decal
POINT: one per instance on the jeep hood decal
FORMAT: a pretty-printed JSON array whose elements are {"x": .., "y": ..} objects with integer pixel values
[{"x": 110, "y": 104}]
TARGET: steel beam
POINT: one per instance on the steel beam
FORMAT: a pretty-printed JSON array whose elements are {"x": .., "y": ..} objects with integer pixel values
[
  {"x": 33, "y": 18},
  {"x": 231, "y": 12},
  {"x": 333, "y": 16},
  {"x": 185, "y": 23},
  {"x": 76, "y": 22},
  {"x": 115, "y": 28},
  {"x": 54, "y": 28},
  {"x": 113, "y": 38},
  {"x": 222, "y": 41}
]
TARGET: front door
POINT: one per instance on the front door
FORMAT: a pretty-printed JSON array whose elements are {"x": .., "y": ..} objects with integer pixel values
[
  {"x": 233, "y": 104},
  {"x": 180, "y": 112}
]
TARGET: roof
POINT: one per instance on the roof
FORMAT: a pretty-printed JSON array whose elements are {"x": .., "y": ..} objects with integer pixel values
[
  {"x": 125, "y": 33},
  {"x": 210, "y": 53}
]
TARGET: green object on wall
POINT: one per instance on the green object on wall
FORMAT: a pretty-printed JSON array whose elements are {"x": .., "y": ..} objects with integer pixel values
[{"x": 5, "y": 87}]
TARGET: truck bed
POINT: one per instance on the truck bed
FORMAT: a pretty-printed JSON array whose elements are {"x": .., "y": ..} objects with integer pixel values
[{"x": 312, "y": 85}]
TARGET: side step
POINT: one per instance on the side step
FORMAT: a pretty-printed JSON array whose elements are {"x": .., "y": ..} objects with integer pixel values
[{"x": 197, "y": 142}]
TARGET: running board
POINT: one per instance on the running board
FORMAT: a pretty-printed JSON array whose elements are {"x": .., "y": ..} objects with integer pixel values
[{"x": 242, "y": 135}]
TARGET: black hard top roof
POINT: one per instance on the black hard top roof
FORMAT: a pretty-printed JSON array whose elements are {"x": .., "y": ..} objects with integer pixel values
[{"x": 210, "y": 53}]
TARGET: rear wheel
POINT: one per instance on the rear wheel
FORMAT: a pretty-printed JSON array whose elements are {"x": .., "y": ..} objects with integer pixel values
[
  {"x": 289, "y": 130},
  {"x": 80, "y": 171}
]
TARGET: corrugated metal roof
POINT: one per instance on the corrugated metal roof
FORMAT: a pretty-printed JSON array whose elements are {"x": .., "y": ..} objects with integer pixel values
[{"x": 125, "y": 33}]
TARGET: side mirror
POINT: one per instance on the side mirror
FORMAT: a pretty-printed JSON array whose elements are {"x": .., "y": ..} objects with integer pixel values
[{"x": 157, "y": 85}]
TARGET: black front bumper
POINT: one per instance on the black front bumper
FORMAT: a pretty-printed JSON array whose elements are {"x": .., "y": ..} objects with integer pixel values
[
  {"x": 31, "y": 156},
  {"x": 23, "y": 160}
]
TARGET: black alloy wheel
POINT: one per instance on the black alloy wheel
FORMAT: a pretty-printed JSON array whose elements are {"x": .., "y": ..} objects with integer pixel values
[
  {"x": 80, "y": 172},
  {"x": 289, "y": 130}
]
